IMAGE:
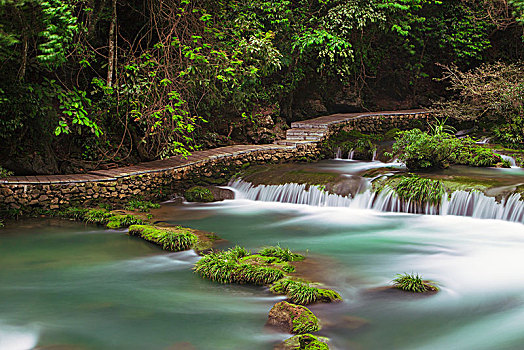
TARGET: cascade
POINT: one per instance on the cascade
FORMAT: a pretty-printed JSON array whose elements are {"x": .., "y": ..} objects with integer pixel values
[
  {"x": 374, "y": 155},
  {"x": 459, "y": 203},
  {"x": 351, "y": 154},
  {"x": 511, "y": 160},
  {"x": 338, "y": 155}
]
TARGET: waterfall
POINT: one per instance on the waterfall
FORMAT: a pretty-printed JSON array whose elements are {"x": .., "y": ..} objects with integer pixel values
[
  {"x": 459, "y": 203},
  {"x": 351, "y": 154},
  {"x": 374, "y": 155},
  {"x": 338, "y": 155},
  {"x": 511, "y": 160}
]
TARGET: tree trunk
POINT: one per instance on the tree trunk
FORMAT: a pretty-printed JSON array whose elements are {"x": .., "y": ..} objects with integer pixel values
[{"x": 112, "y": 47}]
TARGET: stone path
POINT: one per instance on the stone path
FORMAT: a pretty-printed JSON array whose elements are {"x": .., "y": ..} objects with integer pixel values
[{"x": 307, "y": 131}]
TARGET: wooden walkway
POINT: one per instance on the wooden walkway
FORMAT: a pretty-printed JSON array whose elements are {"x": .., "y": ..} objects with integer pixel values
[{"x": 307, "y": 131}]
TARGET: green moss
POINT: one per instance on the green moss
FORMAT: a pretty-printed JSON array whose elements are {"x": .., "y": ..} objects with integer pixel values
[
  {"x": 306, "y": 342},
  {"x": 303, "y": 320},
  {"x": 199, "y": 194},
  {"x": 302, "y": 293},
  {"x": 173, "y": 239}
]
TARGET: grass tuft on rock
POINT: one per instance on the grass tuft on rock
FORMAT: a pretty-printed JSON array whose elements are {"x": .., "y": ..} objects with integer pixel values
[
  {"x": 302, "y": 293},
  {"x": 173, "y": 239},
  {"x": 420, "y": 190},
  {"x": 143, "y": 206},
  {"x": 199, "y": 194},
  {"x": 284, "y": 254},
  {"x": 413, "y": 283},
  {"x": 238, "y": 265}
]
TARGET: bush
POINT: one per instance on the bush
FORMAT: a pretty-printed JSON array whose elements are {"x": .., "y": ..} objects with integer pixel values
[
  {"x": 199, "y": 194},
  {"x": 422, "y": 150},
  {"x": 413, "y": 283},
  {"x": 173, "y": 239},
  {"x": 5, "y": 173}
]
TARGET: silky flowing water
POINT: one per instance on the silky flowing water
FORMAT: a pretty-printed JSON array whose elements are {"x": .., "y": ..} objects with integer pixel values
[{"x": 66, "y": 283}]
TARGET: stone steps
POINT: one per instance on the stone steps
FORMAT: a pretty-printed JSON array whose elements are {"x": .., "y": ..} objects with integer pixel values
[{"x": 306, "y": 125}]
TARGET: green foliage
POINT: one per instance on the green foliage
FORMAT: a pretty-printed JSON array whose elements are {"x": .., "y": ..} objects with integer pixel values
[
  {"x": 306, "y": 342},
  {"x": 284, "y": 254},
  {"x": 439, "y": 148},
  {"x": 421, "y": 150},
  {"x": 236, "y": 265},
  {"x": 2, "y": 225},
  {"x": 362, "y": 144},
  {"x": 143, "y": 206},
  {"x": 413, "y": 283},
  {"x": 302, "y": 293},
  {"x": 5, "y": 173},
  {"x": 199, "y": 194},
  {"x": 419, "y": 190},
  {"x": 492, "y": 96},
  {"x": 173, "y": 239}
]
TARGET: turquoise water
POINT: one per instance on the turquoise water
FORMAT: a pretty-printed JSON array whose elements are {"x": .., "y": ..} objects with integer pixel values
[
  {"x": 65, "y": 285},
  {"x": 79, "y": 287},
  {"x": 477, "y": 263}
]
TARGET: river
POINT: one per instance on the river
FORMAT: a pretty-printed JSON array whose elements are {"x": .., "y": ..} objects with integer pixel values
[{"x": 81, "y": 287}]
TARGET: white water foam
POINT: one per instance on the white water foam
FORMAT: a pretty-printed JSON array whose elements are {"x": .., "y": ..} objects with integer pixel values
[
  {"x": 17, "y": 338},
  {"x": 460, "y": 203}
]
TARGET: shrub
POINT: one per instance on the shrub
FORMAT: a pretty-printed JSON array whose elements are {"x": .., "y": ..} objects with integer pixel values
[
  {"x": 5, "y": 173},
  {"x": 413, "y": 283},
  {"x": 199, "y": 194},
  {"x": 439, "y": 149},
  {"x": 173, "y": 239},
  {"x": 421, "y": 150}
]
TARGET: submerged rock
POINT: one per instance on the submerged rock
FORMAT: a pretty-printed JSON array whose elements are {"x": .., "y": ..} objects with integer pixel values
[
  {"x": 295, "y": 319},
  {"x": 304, "y": 342}
]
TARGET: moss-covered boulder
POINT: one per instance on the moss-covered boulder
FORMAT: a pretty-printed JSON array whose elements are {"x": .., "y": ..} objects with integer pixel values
[
  {"x": 294, "y": 319},
  {"x": 173, "y": 238},
  {"x": 304, "y": 342},
  {"x": 199, "y": 194}
]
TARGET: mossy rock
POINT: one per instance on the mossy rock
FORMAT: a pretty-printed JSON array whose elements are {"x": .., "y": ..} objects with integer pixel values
[
  {"x": 238, "y": 265},
  {"x": 303, "y": 293},
  {"x": 199, "y": 194},
  {"x": 304, "y": 342},
  {"x": 294, "y": 319},
  {"x": 173, "y": 239}
]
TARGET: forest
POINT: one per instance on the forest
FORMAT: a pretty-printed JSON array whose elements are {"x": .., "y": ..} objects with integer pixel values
[{"x": 88, "y": 84}]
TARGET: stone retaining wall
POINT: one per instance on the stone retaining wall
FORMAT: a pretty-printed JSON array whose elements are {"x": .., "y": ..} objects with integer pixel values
[
  {"x": 155, "y": 185},
  {"x": 380, "y": 124}
]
